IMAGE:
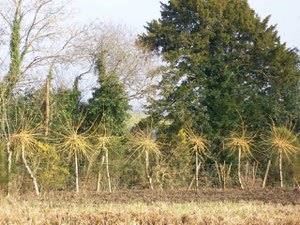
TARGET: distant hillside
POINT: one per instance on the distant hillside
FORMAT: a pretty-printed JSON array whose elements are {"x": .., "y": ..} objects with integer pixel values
[{"x": 134, "y": 119}]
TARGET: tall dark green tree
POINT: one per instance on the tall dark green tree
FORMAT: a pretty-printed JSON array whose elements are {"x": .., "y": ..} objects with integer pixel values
[
  {"x": 67, "y": 103},
  {"x": 110, "y": 101},
  {"x": 16, "y": 57},
  {"x": 223, "y": 59},
  {"x": 288, "y": 106}
]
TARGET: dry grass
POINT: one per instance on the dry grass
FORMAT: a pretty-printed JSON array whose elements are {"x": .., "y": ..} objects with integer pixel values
[{"x": 81, "y": 210}]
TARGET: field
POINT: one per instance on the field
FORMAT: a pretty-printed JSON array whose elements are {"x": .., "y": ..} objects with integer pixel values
[{"x": 207, "y": 206}]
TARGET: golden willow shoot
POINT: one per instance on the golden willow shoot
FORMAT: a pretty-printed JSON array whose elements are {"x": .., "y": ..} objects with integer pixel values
[
  {"x": 25, "y": 140},
  {"x": 242, "y": 142},
  {"x": 143, "y": 143},
  {"x": 75, "y": 142},
  {"x": 283, "y": 143},
  {"x": 199, "y": 145},
  {"x": 104, "y": 139}
]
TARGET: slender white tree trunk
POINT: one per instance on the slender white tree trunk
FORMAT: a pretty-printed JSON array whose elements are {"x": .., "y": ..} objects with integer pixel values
[
  {"x": 192, "y": 182},
  {"x": 6, "y": 133},
  {"x": 246, "y": 173},
  {"x": 76, "y": 170},
  {"x": 239, "y": 168},
  {"x": 218, "y": 172},
  {"x": 266, "y": 174},
  {"x": 47, "y": 110},
  {"x": 9, "y": 157},
  {"x": 226, "y": 175},
  {"x": 9, "y": 152},
  {"x": 197, "y": 171},
  {"x": 157, "y": 171},
  {"x": 29, "y": 171},
  {"x": 99, "y": 174},
  {"x": 107, "y": 168},
  {"x": 147, "y": 169},
  {"x": 280, "y": 168}
]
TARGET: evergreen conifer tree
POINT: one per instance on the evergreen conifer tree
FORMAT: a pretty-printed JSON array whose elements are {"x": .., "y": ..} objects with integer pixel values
[
  {"x": 223, "y": 59},
  {"x": 110, "y": 101}
]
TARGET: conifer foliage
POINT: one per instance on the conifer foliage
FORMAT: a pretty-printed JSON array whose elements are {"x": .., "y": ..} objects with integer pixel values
[
  {"x": 219, "y": 57},
  {"x": 223, "y": 58},
  {"x": 110, "y": 100}
]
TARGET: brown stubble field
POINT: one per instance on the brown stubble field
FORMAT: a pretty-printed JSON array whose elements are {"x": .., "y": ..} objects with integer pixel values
[{"x": 206, "y": 206}]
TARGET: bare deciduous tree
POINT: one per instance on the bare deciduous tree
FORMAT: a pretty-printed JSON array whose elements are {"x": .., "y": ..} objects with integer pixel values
[
  {"x": 135, "y": 66},
  {"x": 36, "y": 33}
]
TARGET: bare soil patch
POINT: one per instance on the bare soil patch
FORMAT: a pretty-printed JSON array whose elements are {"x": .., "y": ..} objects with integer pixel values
[
  {"x": 277, "y": 196},
  {"x": 206, "y": 206}
]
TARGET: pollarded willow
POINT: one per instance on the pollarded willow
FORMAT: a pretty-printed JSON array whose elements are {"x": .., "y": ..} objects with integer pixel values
[
  {"x": 199, "y": 145},
  {"x": 143, "y": 143},
  {"x": 283, "y": 143},
  {"x": 25, "y": 141},
  {"x": 75, "y": 141},
  {"x": 242, "y": 142},
  {"x": 104, "y": 139}
]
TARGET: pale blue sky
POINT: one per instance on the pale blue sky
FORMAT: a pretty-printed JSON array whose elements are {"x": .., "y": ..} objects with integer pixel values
[{"x": 135, "y": 13}]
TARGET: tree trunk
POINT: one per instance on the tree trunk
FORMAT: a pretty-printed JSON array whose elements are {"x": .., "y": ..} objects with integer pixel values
[
  {"x": 99, "y": 173},
  {"x": 219, "y": 173},
  {"x": 266, "y": 174},
  {"x": 47, "y": 104},
  {"x": 254, "y": 172},
  {"x": 246, "y": 174},
  {"x": 157, "y": 170},
  {"x": 224, "y": 175},
  {"x": 191, "y": 184},
  {"x": 227, "y": 174},
  {"x": 280, "y": 168},
  {"x": 76, "y": 170},
  {"x": 147, "y": 169},
  {"x": 3, "y": 119},
  {"x": 9, "y": 157},
  {"x": 197, "y": 171},
  {"x": 6, "y": 133},
  {"x": 29, "y": 171},
  {"x": 9, "y": 152},
  {"x": 107, "y": 168},
  {"x": 296, "y": 182},
  {"x": 239, "y": 168}
]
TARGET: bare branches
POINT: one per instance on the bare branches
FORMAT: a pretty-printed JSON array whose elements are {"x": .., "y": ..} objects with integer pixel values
[
  {"x": 135, "y": 66},
  {"x": 37, "y": 34}
]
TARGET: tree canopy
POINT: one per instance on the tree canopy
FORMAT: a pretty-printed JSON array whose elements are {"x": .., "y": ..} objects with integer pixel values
[
  {"x": 109, "y": 101},
  {"x": 224, "y": 58},
  {"x": 66, "y": 97}
]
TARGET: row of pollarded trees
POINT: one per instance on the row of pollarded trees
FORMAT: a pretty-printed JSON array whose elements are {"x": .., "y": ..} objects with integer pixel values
[
  {"x": 34, "y": 36},
  {"x": 30, "y": 139},
  {"x": 281, "y": 141},
  {"x": 221, "y": 63},
  {"x": 74, "y": 142},
  {"x": 71, "y": 140}
]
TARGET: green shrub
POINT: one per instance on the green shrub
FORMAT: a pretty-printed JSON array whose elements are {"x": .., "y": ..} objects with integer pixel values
[{"x": 50, "y": 172}]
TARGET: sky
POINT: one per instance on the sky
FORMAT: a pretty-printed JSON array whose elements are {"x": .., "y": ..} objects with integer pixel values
[{"x": 136, "y": 14}]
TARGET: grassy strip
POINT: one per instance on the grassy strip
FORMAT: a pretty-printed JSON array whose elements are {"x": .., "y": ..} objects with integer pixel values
[{"x": 31, "y": 211}]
